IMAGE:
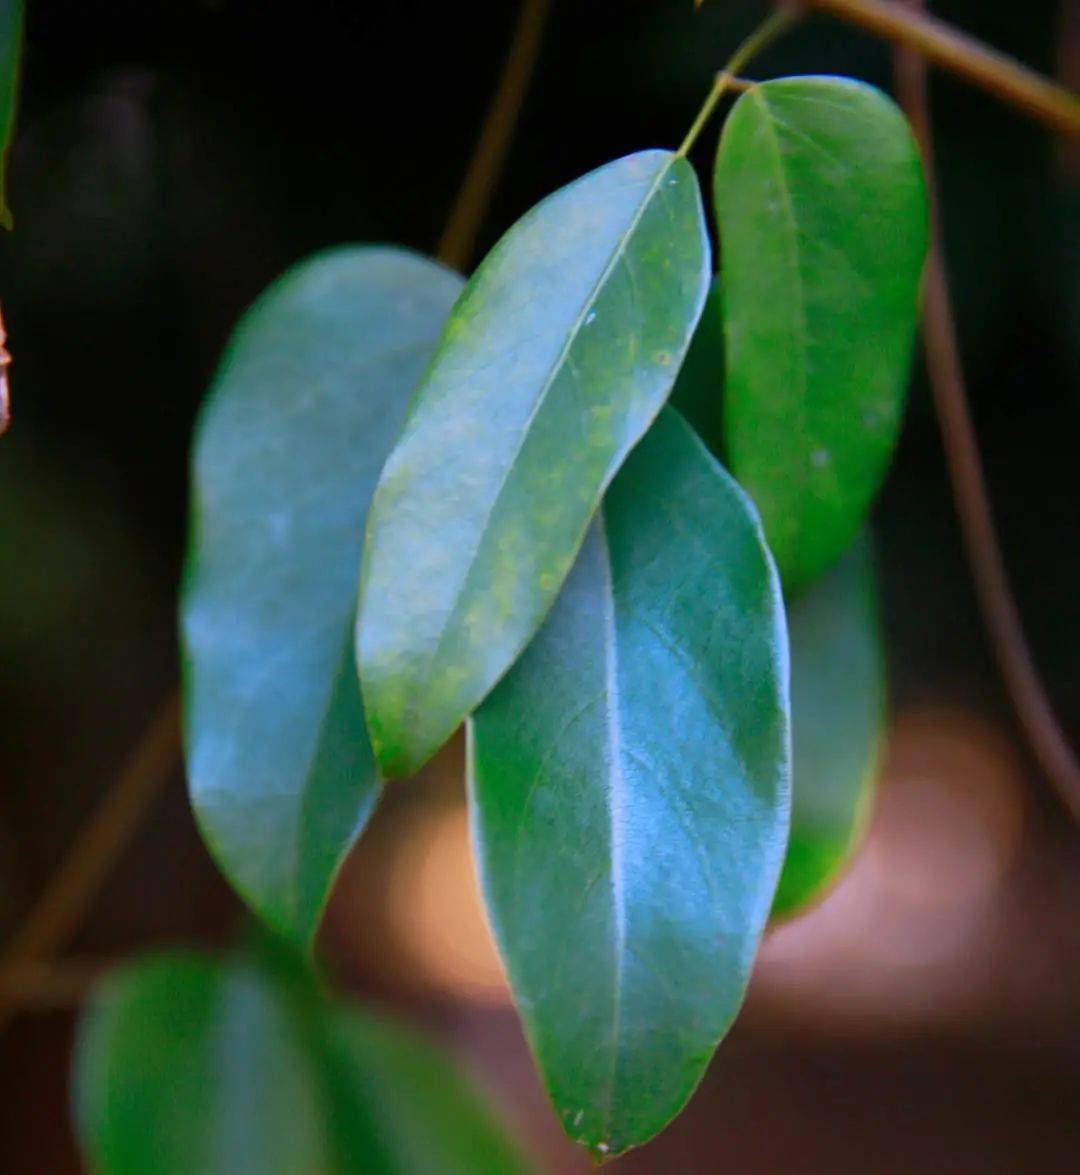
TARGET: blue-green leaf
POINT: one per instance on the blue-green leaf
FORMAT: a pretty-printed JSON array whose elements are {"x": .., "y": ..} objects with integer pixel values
[
  {"x": 556, "y": 359},
  {"x": 822, "y": 212},
  {"x": 629, "y": 790},
  {"x": 310, "y": 397}
]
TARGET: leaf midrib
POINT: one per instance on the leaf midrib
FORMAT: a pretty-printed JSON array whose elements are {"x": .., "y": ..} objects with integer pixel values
[
  {"x": 798, "y": 285},
  {"x": 617, "y": 255},
  {"x": 616, "y": 804}
]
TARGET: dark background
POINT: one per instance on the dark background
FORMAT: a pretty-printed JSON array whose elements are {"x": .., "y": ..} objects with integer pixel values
[{"x": 174, "y": 157}]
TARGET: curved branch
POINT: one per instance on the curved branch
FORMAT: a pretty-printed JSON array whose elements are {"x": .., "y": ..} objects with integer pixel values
[
  {"x": 1000, "y": 613},
  {"x": 961, "y": 54},
  {"x": 51, "y": 986},
  {"x": 97, "y": 846},
  {"x": 458, "y": 240}
]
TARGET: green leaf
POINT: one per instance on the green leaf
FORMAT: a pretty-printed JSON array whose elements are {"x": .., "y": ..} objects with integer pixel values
[
  {"x": 308, "y": 402},
  {"x": 837, "y": 717},
  {"x": 629, "y": 789},
  {"x": 184, "y": 1064},
  {"x": 822, "y": 212},
  {"x": 698, "y": 392},
  {"x": 556, "y": 359},
  {"x": 11, "y": 37}
]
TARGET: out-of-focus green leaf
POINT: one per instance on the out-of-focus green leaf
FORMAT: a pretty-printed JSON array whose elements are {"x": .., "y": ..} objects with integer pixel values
[
  {"x": 187, "y": 1066},
  {"x": 629, "y": 789},
  {"x": 822, "y": 212},
  {"x": 556, "y": 359},
  {"x": 837, "y": 713},
  {"x": 309, "y": 400},
  {"x": 698, "y": 392},
  {"x": 11, "y": 35}
]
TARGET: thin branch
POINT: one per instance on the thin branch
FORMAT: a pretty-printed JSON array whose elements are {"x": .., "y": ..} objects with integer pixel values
[
  {"x": 97, "y": 846},
  {"x": 963, "y": 55},
  {"x": 999, "y": 609},
  {"x": 51, "y": 985},
  {"x": 772, "y": 27},
  {"x": 458, "y": 240}
]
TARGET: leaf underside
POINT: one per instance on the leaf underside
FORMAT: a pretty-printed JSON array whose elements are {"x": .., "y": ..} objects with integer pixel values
[
  {"x": 629, "y": 790},
  {"x": 309, "y": 399}
]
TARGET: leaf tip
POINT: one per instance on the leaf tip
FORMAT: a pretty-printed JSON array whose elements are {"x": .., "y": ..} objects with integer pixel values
[{"x": 601, "y": 1153}]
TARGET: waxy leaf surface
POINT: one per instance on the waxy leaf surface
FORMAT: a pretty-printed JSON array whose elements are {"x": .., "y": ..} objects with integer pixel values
[
  {"x": 822, "y": 213},
  {"x": 837, "y": 724},
  {"x": 309, "y": 400},
  {"x": 555, "y": 361},
  {"x": 187, "y": 1065},
  {"x": 629, "y": 792},
  {"x": 11, "y": 35}
]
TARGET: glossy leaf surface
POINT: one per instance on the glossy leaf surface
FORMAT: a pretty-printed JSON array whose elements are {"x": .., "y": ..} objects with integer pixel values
[
  {"x": 822, "y": 212},
  {"x": 837, "y": 723},
  {"x": 309, "y": 400},
  {"x": 629, "y": 787},
  {"x": 188, "y": 1065},
  {"x": 11, "y": 35},
  {"x": 556, "y": 359}
]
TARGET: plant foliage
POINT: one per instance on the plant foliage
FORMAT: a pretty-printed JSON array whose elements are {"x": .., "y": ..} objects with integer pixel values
[
  {"x": 554, "y": 556},
  {"x": 186, "y": 1064}
]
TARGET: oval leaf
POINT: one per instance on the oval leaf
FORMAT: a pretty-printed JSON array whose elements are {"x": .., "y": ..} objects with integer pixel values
[
  {"x": 11, "y": 35},
  {"x": 187, "y": 1065},
  {"x": 822, "y": 212},
  {"x": 837, "y": 725},
  {"x": 308, "y": 402},
  {"x": 555, "y": 360},
  {"x": 629, "y": 787}
]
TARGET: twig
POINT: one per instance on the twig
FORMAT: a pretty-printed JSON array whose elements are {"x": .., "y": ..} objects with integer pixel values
[
  {"x": 999, "y": 609},
  {"x": 772, "y": 27},
  {"x": 82, "y": 871},
  {"x": 51, "y": 985},
  {"x": 458, "y": 240},
  {"x": 964, "y": 55}
]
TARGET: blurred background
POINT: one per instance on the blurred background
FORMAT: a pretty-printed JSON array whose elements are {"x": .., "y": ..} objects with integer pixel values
[{"x": 171, "y": 159}]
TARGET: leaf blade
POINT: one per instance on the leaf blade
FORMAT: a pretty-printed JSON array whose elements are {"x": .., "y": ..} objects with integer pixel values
[
  {"x": 308, "y": 401},
  {"x": 838, "y": 712},
  {"x": 560, "y": 352},
  {"x": 187, "y": 1064},
  {"x": 607, "y": 770},
  {"x": 11, "y": 39},
  {"x": 822, "y": 211}
]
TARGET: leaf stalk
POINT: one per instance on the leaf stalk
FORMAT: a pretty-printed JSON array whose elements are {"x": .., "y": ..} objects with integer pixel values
[{"x": 772, "y": 27}]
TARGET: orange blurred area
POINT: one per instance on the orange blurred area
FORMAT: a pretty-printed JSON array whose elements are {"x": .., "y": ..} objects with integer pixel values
[
  {"x": 914, "y": 931},
  {"x": 952, "y": 924},
  {"x": 925, "y": 895}
]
